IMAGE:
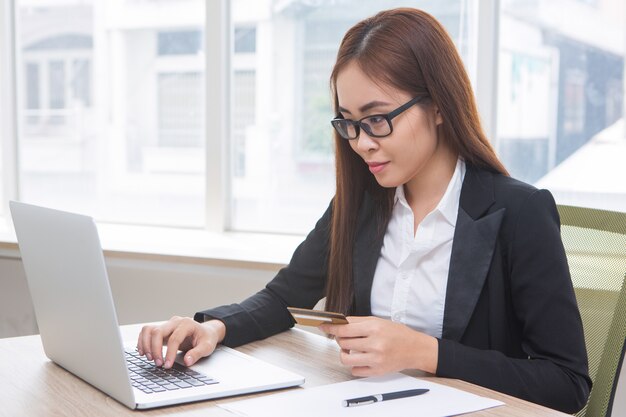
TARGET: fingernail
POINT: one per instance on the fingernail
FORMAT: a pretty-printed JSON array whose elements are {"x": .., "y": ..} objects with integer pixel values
[
  {"x": 167, "y": 365},
  {"x": 140, "y": 352},
  {"x": 188, "y": 359},
  {"x": 158, "y": 362},
  {"x": 149, "y": 356}
]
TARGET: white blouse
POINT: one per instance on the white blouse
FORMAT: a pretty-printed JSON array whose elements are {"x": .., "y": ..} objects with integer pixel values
[{"x": 412, "y": 272}]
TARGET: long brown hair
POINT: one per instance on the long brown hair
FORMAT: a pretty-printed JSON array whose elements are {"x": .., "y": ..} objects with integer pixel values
[{"x": 409, "y": 50}]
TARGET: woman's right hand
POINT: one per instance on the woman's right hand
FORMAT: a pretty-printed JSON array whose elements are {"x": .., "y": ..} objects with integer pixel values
[{"x": 197, "y": 340}]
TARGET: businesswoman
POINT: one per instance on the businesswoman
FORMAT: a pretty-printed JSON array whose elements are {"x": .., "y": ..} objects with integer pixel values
[{"x": 441, "y": 260}]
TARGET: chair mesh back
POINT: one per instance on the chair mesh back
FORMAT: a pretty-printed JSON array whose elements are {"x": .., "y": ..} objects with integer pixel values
[
  {"x": 595, "y": 243},
  {"x": 601, "y": 403}
]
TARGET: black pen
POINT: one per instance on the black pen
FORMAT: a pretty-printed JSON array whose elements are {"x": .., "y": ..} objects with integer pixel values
[{"x": 370, "y": 399}]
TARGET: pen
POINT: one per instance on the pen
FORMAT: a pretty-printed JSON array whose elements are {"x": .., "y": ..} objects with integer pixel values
[{"x": 353, "y": 402}]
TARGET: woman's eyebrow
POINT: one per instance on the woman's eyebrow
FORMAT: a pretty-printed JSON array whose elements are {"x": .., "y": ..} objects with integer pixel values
[{"x": 366, "y": 107}]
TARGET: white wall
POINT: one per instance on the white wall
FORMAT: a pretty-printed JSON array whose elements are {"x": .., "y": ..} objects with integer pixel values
[
  {"x": 16, "y": 310},
  {"x": 143, "y": 290}
]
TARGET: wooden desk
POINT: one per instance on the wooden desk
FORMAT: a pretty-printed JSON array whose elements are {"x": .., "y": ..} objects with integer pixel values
[{"x": 31, "y": 385}]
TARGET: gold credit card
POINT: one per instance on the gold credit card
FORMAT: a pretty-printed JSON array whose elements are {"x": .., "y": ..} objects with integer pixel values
[{"x": 307, "y": 317}]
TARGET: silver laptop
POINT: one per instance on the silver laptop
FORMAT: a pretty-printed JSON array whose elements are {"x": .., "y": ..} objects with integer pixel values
[{"x": 74, "y": 308}]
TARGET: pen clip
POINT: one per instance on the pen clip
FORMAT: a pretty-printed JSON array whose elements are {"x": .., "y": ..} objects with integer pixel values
[{"x": 354, "y": 403}]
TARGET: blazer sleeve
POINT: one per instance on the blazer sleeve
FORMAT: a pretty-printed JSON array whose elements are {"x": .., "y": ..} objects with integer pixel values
[
  {"x": 555, "y": 374},
  {"x": 300, "y": 284}
]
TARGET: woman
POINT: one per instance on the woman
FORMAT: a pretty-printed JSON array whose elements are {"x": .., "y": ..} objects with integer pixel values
[{"x": 442, "y": 261}]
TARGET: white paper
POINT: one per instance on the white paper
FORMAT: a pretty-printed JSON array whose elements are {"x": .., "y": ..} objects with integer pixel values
[{"x": 327, "y": 400}]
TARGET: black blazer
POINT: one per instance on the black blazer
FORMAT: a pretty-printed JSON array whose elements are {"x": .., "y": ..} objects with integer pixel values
[{"x": 511, "y": 322}]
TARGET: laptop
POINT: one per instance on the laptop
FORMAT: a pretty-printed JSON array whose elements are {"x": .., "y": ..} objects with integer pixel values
[{"x": 76, "y": 316}]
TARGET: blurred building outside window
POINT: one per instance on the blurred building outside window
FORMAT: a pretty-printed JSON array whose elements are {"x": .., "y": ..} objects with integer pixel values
[{"x": 111, "y": 99}]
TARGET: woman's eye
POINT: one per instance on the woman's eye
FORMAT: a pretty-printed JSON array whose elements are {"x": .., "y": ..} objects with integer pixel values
[{"x": 374, "y": 120}]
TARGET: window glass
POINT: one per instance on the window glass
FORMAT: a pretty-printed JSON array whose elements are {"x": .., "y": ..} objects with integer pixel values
[
  {"x": 282, "y": 158},
  {"x": 179, "y": 42},
  {"x": 180, "y": 103},
  {"x": 111, "y": 105},
  {"x": 561, "y": 98},
  {"x": 32, "y": 86},
  {"x": 245, "y": 39}
]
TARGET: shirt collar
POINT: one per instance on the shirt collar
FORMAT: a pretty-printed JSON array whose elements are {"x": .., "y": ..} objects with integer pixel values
[
  {"x": 400, "y": 196},
  {"x": 449, "y": 204}
]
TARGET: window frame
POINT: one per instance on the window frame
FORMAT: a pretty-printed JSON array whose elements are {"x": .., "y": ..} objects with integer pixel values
[
  {"x": 8, "y": 104},
  {"x": 218, "y": 168}
]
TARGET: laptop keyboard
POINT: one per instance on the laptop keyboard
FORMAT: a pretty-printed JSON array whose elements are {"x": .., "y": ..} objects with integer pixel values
[{"x": 149, "y": 378}]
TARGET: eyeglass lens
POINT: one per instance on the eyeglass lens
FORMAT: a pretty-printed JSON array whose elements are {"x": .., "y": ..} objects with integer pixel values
[{"x": 376, "y": 126}]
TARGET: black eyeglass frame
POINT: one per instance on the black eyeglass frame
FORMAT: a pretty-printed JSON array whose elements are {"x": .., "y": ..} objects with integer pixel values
[{"x": 358, "y": 124}]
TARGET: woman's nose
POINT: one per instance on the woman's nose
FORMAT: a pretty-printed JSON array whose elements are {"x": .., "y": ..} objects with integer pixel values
[{"x": 365, "y": 142}]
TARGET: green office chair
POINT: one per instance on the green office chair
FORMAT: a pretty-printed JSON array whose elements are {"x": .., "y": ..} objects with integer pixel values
[{"x": 595, "y": 243}]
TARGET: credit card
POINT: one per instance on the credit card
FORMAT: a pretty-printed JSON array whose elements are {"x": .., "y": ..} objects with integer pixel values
[{"x": 307, "y": 317}]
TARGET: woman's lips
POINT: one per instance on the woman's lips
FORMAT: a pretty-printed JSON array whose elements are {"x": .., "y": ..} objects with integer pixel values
[{"x": 376, "y": 167}]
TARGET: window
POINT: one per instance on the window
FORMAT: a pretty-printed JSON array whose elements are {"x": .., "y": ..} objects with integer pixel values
[
  {"x": 112, "y": 108},
  {"x": 180, "y": 105},
  {"x": 32, "y": 86},
  {"x": 112, "y": 103},
  {"x": 561, "y": 98},
  {"x": 56, "y": 84},
  {"x": 245, "y": 40},
  {"x": 80, "y": 82},
  {"x": 179, "y": 43},
  {"x": 244, "y": 107},
  {"x": 282, "y": 160}
]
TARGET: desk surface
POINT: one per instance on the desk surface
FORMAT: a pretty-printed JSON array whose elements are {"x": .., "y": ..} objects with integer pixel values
[{"x": 31, "y": 385}]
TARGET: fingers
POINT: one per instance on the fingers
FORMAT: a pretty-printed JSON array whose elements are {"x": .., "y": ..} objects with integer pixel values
[
  {"x": 360, "y": 344},
  {"x": 208, "y": 335},
  {"x": 151, "y": 338},
  {"x": 355, "y": 358},
  {"x": 200, "y": 351},
  {"x": 173, "y": 342},
  {"x": 144, "y": 340},
  {"x": 357, "y": 327},
  {"x": 361, "y": 364},
  {"x": 373, "y": 346},
  {"x": 358, "y": 319},
  {"x": 156, "y": 345},
  {"x": 179, "y": 333},
  {"x": 186, "y": 328},
  {"x": 364, "y": 371},
  {"x": 344, "y": 330}
]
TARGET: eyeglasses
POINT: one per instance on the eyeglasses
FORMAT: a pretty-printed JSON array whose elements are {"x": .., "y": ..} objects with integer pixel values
[{"x": 375, "y": 125}]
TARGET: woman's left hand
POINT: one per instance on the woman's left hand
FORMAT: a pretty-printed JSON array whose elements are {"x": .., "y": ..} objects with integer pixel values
[{"x": 374, "y": 346}]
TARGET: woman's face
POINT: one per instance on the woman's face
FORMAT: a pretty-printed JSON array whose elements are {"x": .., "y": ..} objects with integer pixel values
[{"x": 398, "y": 158}]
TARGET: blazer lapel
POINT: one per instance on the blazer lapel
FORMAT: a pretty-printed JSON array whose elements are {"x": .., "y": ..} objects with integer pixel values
[
  {"x": 474, "y": 243},
  {"x": 475, "y": 238}
]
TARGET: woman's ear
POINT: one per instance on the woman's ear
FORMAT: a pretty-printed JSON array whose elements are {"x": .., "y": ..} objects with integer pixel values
[{"x": 438, "y": 117}]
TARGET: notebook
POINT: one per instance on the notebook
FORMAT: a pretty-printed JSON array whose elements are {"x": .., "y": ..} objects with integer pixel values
[{"x": 79, "y": 329}]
